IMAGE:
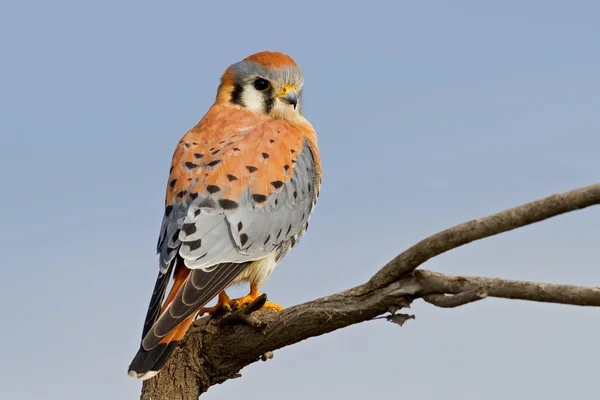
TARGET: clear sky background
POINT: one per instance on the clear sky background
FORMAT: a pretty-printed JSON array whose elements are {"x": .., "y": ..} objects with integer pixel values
[{"x": 428, "y": 114}]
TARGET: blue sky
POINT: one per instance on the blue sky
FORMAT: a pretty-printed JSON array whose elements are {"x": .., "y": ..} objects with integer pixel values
[{"x": 428, "y": 114}]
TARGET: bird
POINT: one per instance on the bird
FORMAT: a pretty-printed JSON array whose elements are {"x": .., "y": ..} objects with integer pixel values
[{"x": 242, "y": 186}]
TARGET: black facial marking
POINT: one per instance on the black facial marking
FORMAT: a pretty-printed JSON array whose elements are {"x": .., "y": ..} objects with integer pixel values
[
  {"x": 259, "y": 198},
  {"x": 213, "y": 189},
  {"x": 231, "y": 177},
  {"x": 286, "y": 167},
  {"x": 277, "y": 184},
  {"x": 213, "y": 163},
  {"x": 269, "y": 101},
  {"x": 243, "y": 238},
  {"x": 211, "y": 149},
  {"x": 221, "y": 142},
  {"x": 251, "y": 168},
  {"x": 227, "y": 204},
  {"x": 236, "y": 95},
  {"x": 215, "y": 152},
  {"x": 265, "y": 155}
]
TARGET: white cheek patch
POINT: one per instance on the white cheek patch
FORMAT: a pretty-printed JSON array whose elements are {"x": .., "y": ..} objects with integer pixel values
[{"x": 253, "y": 100}]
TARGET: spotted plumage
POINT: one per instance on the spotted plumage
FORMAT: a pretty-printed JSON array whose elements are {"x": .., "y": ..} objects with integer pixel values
[{"x": 242, "y": 186}]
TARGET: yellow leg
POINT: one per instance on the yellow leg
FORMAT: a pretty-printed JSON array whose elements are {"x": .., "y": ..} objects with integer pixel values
[
  {"x": 253, "y": 295},
  {"x": 224, "y": 303}
]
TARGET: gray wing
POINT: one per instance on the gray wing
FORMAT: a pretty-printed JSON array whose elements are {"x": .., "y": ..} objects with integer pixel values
[{"x": 207, "y": 232}]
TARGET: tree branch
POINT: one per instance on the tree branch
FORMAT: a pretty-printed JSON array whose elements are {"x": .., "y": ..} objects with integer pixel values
[{"x": 215, "y": 350}]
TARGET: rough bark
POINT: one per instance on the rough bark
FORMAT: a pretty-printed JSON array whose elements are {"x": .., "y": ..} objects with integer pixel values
[{"x": 216, "y": 349}]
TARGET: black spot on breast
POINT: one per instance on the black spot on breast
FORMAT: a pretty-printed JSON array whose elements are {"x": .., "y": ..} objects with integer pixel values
[
  {"x": 231, "y": 177},
  {"x": 171, "y": 169},
  {"x": 277, "y": 184},
  {"x": 191, "y": 165},
  {"x": 293, "y": 161},
  {"x": 251, "y": 168},
  {"x": 189, "y": 229},
  {"x": 213, "y": 189},
  {"x": 193, "y": 195},
  {"x": 168, "y": 210},
  {"x": 195, "y": 245},
  {"x": 215, "y": 152},
  {"x": 221, "y": 142},
  {"x": 172, "y": 183},
  {"x": 182, "y": 193},
  {"x": 293, "y": 151},
  {"x": 227, "y": 204},
  {"x": 265, "y": 155},
  {"x": 198, "y": 155},
  {"x": 213, "y": 163},
  {"x": 286, "y": 167},
  {"x": 259, "y": 198},
  {"x": 211, "y": 149},
  {"x": 187, "y": 145},
  {"x": 236, "y": 149},
  {"x": 240, "y": 226},
  {"x": 243, "y": 238},
  {"x": 271, "y": 141},
  {"x": 195, "y": 143}
]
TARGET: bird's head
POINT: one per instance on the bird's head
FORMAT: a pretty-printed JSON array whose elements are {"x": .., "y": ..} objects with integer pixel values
[{"x": 268, "y": 83}]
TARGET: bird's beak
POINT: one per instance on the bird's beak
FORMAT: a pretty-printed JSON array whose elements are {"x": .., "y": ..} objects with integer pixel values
[{"x": 288, "y": 94}]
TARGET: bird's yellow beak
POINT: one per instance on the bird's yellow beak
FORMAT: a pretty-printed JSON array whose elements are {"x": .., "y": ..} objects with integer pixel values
[{"x": 288, "y": 94}]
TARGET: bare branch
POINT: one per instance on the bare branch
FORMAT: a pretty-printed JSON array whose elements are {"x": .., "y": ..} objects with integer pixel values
[
  {"x": 455, "y": 300},
  {"x": 433, "y": 282},
  {"x": 216, "y": 349},
  {"x": 480, "y": 228}
]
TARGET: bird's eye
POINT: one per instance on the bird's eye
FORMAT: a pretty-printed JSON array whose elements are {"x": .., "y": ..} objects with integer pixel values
[{"x": 261, "y": 84}]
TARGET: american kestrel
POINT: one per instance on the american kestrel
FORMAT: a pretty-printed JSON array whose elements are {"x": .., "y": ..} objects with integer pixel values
[{"x": 242, "y": 186}]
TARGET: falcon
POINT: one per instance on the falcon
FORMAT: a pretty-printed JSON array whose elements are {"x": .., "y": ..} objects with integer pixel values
[{"x": 242, "y": 186}]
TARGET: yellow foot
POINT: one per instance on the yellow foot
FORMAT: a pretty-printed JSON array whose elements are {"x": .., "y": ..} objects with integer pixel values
[
  {"x": 223, "y": 304},
  {"x": 253, "y": 295},
  {"x": 274, "y": 306}
]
